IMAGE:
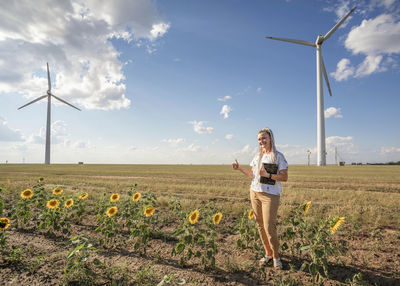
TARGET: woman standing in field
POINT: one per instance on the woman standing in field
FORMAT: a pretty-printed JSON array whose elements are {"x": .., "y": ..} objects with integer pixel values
[{"x": 265, "y": 194}]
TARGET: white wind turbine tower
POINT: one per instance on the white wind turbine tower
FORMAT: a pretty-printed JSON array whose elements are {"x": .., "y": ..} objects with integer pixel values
[
  {"x": 320, "y": 98},
  {"x": 48, "y": 126}
]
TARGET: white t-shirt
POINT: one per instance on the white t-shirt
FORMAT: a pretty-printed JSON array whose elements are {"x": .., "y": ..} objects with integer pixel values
[{"x": 255, "y": 183}]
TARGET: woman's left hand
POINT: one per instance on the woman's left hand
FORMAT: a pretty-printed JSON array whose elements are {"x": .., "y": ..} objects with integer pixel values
[{"x": 263, "y": 173}]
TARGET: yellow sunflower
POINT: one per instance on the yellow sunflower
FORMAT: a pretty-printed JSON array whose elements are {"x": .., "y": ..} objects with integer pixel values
[
  {"x": 114, "y": 198},
  {"x": 40, "y": 179},
  {"x": 69, "y": 203},
  {"x": 149, "y": 211},
  {"x": 336, "y": 225},
  {"x": 4, "y": 223},
  {"x": 57, "y": 191},
  {"x": 27, "y": 194},
  {"x": 52, "y": 204},
  {"x": 217, "y": 218},
  {"x": 136, "y": 197},
  {"x": 111, "y": 211},
  {"x": 306, "y": 207},
  {"x": 251, "y": 214},
  {"x": 194, "y": 217},
  {"x": 83, "y": 196}
]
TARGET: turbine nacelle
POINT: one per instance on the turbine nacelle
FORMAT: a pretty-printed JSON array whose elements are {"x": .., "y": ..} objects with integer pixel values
[{"x": 319, "y": 40}]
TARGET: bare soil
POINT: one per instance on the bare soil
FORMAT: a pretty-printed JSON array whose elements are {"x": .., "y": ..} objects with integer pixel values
[{"x": 376, "y": 254}]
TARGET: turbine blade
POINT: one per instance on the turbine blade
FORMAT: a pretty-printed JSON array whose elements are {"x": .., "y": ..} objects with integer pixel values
[
  {"x": 48, "y": 77},
  {"x": 37, "y": 99},
  {"x": 65, "y": 102},
  {"x": 300, "y": 42},
  {"x": 326, "y": 76},
  {"x": 337, "y": 25}
]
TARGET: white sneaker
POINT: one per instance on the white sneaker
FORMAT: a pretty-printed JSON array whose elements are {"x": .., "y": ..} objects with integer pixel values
[{"x": 277, "y": 263}]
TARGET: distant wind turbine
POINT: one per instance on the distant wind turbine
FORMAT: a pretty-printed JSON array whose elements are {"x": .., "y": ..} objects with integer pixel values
[
  {"x": 321, "y": 149},
  {"x": 48, "y": 127}
]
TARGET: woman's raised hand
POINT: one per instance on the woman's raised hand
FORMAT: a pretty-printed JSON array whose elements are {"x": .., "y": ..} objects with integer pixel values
[{"x": 235, "y": 165}]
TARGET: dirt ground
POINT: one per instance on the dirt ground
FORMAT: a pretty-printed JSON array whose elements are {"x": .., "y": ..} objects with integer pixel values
[{"x": 375, "y": 254}]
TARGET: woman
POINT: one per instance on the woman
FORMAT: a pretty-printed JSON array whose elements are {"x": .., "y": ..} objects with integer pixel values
[{"x": 265, "y": 196}]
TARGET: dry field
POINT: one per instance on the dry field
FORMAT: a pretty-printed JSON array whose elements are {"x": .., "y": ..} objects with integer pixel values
[{"x": 367, "y": 196}]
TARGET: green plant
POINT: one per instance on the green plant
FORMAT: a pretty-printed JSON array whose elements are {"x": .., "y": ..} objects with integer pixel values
[
  {"x": 247, "y": 229},
  {"x": 22, "y": 211},
  {"x": 357, "y": 280},
  {"x": 109, "y": 227},
  {"x": 314, "y": 240},
  {"x": 142, "y": 230},
  {"x": 54, "y": 218},
  {"x": 198, "y": 240},
  {"x": 170, "y": 279},
  {"x": 77, "y": 269}
]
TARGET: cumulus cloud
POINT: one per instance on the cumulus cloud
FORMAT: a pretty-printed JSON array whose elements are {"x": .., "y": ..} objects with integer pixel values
[
  {"x": 390, "y": 150},
  {"x": 333, "y": 112},
  {"x": 343, "y": 71},
  {"x": 228, "y": 136},
  {"x": 198, "y": 127},
  {"x": 192, "y": 148},
  {"x": 174, "y": 142},
  {"x": 377, "y": 39},
  {"x": 344, "y": 143},
  {"x": 225, "y": 98},
  {"x": 74, "y": 37},
  {"x": 225, "y": 111},
  {"x": 7, "y": 133}
]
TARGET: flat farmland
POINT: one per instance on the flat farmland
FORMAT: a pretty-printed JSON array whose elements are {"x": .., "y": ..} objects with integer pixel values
[{"x": 367, "y": 196}]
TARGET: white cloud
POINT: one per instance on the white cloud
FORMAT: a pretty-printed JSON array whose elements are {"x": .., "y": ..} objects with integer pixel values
[
  {"x": 259, "y": 89},
  {"x": 192, "y": 148},
  {"x": 198, "y": 127},
  {"x": 371, "y": 64},
  {"x": 343, "y": 70},
  {"x": 245, "y": 150},
  {"x": 390, "y": 150},
  {"x": 333, "y": 112},
  {"x": 74, "y": 37},
  {"x": 376, "y": 39},
  {"x": 225, "y": 111},
  {"x": 343, "y": 143},
  {"x": 225, "y": 98},
  {"x": 174, "y": 142},
  {"x": 7, "y": 133},
  {"x": 228, "y": 136}
]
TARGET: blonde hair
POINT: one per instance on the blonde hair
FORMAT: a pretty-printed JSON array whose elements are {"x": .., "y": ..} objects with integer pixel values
[{"x": 273, "y": 147}]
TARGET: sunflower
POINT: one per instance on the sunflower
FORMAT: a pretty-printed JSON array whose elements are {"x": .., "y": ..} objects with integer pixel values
[
  {"x": 217, "y": 218},
  {"x": 40, "y": 179},
  {"x": 336, "y": 225},
  {"x": 111, "y": 211},
  {"x": 251, "y": 214},
  {"x": 27, "y": 194},
  {"x": 69, "y": 203},
  {"x": 57, "y": 191},
  {"x": 149, "y": 211},
  {"x": 306, "y": 207},
  {"x": 52, "y": 204},
  {"x": 136, "y": 197},
  {"x": 4, "y": 223},
  {"x": 114, "y": 198},
  {"x": 194, "y": 217},
  {"x": 83, "y": 196}
]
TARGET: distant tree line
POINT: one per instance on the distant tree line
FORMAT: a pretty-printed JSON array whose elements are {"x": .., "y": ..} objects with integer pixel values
[{"x": 388, "y": 163}]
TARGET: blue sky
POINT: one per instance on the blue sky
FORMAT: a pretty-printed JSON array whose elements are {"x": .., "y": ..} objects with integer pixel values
[{"x": 193, "y": 81}]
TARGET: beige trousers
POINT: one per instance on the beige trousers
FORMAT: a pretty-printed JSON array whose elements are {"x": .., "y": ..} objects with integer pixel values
[{"x": 265, "y": 207}]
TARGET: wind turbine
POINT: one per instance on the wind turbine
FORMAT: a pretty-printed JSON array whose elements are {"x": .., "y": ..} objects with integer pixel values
[
  {"x": 48, "y": 127},
  {"x": 320, "y": 98}
]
